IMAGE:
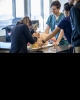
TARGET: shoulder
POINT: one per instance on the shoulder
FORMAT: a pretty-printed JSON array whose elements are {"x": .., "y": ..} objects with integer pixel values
[
  {"x": 74, "y": 8},
  {"x": 62, "y": 15},
  {"x": 65, "y": 20},
  {"x": 23, "y": 25},
  {"x": 75, "y": 11},
  {"x": 77, "y": 5},
  {"x": 50, "y": 19},
  {"x": 51, "y": 16}
]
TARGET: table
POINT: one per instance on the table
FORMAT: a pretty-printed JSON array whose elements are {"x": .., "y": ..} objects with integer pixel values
[{"x": 5, "y": 47}]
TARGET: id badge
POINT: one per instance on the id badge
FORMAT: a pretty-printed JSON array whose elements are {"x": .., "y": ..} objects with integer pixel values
[{"x": 55, "y": 26}]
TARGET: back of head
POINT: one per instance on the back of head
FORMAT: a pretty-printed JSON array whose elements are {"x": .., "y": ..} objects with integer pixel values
[
  {"x": 67, "y": 6},
  {"x": 25, "y": 20}
]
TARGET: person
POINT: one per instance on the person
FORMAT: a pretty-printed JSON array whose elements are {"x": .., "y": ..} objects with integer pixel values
[
  {"x": 21, "y": 35},
  {"x": 65, "y": 25},
  {"x": 66, "y": 11},
  {"x": 54, "y": 20},
  {"x": 75, "y": 22}
]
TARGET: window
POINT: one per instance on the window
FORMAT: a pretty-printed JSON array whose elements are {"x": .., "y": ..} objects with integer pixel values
[
  {"x": 5, "y": 13},
  {"x": 35, "y": 9},
  {"x": 6, "y": 7},
  {"x": 40, "y": 11},
  {"x": 36, "y": 12},
  {"x": 19, "y": 8},
  {"x": 46, "y": 11},
  {"x": 62, "y": 3}
]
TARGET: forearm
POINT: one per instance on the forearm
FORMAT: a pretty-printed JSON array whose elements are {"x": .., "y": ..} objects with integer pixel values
[
  {"x": 32, "y": 40},
  {"x": 52, "y": 34},
  {"x": 35, "y": 39},
  {"x": 60, "y": 36},
  {"x": 69, "y": 46},
  {"x": 46, "y": 31}
]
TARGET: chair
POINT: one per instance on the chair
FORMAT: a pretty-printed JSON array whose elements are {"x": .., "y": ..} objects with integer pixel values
[{"x": 2, "y": 36}]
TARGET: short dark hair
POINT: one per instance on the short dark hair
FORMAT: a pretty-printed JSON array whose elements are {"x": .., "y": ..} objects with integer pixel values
[
  {"x": 67, "y": 6},
  {"x": 56, "y": 3}
]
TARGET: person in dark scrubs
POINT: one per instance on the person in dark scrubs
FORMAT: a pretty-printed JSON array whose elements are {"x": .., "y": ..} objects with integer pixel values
[
  {"x": 21, "y": 35},
  {"x": 64, "y": 24}
]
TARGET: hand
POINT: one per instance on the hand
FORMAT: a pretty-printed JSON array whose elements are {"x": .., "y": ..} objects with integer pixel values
[
  {"x": 28, "y": 44},
  {"x": 53, "y": 39},
  {"x": 43, "y": 36},
  {"x": 55, "y": 43},
  {"x": 69, "y": 46},
  {"x": 40, "y": 44},
  {"x": 37, "y": 35}
]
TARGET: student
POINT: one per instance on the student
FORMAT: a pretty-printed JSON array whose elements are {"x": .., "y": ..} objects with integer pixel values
[
  {"x": 65, "y": 24},
  {"x": 54, "y": 20},
  {"x": 66, "y": 11},
  {"x": 21, "y": 35},
  {"x": 75, "y": 22}
]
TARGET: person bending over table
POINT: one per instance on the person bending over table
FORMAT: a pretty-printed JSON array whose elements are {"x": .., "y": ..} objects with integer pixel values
[{"x": 21, "y": 36}]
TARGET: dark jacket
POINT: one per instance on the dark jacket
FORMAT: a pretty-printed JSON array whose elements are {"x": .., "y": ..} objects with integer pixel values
[
  {"x": 20, "y": 36},
  {"x": 75, "y": 22}
]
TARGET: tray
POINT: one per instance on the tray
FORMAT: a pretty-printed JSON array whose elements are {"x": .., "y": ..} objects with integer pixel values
[{"x": 46, "y": 46}]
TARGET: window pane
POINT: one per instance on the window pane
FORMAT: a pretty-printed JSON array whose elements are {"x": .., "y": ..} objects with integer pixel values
[
  {"x": 5, "y": 13},
  {"x": 19, "y": 8},
  {"x": 6, "y": 7},
  {"x": 40, "y": 12},
  {"x": 46, "y": 11},
  {"x": 62, "y": 3},
  {"x": 36, "y": 12}
]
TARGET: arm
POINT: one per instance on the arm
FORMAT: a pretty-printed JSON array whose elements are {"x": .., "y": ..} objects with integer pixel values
[
  {"x": 60, "y": 35},
  {"x": 28, "y": 35},
  {"x": 48, "y": 24},
  {"x": 47, "y": 29},
  {"x": 59, "y": 38},
  {"x": 60, "y": 26},
  {"x": 49, "y": 36},
  {"x": 52, "y": 34}
]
